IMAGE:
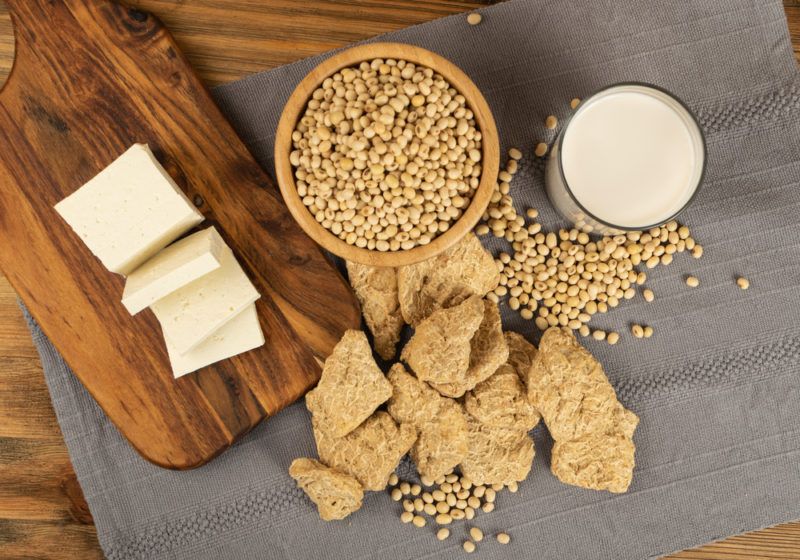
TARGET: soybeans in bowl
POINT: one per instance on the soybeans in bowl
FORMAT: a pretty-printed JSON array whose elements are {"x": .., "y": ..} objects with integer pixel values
[{"x": 387, "y": 154}]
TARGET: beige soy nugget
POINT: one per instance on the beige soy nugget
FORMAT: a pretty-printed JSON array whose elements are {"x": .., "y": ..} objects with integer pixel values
[
  {"x": 521, "y": 354},
  {"x": 442, "y": 444},
  {"x": 568, "y": 387},
  {"x": 352, "y": 386},
  {"x": 446, "y": 280},
  {"x": 439, "y": 351},
  {"x": 371, "y": 452},
  {"x": 488, "y": 347},
  {"x": 440, "y": 423},
  {"x": 502, "y": 402},
  {"x": 593, "y": 431},
  {"x": 376, "y": 289},
  {"x": 488, "y": 351},
  {"x": 603, "y": 462},
  {"x": 336, "y": 494},
  {"x": 497, "y": 455}
]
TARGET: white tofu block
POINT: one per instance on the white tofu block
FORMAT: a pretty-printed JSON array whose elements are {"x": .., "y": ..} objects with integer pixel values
[
  {"x": 241, "y": 334},
  {"x": 174, "y": 267},
  {"x": 129, "y": 211},
  {"x": 191, "y": 314}
]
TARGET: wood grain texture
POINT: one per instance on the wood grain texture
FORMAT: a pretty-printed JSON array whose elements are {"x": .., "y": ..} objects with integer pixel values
[
  {"x": 6, "y": 43},
  {"x": 226, "y": 39},
  {"x": 295, "y": 108},
  {"x": 208, "y": 32},
  {"x": 89, "y": 80}
]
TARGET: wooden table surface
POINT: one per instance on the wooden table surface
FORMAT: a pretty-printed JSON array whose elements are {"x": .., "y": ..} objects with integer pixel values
[{"x": 42, "y": 512}]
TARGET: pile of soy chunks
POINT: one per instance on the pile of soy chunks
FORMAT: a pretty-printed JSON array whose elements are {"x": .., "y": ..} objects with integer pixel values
[{"x": 465, "y": 395}]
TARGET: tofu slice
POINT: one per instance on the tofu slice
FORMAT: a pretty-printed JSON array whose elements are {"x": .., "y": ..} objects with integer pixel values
[
  {"x": 191, "y": 314},
  {"x": 129, "y": 211},
  {"x": 174, "y": 267},
  {"x": 241, "y": 334}
]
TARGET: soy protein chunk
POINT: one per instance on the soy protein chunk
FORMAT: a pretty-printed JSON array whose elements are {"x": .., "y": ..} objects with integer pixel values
[
  {"x": 521, "y": 354},
  {"x": 569, "y": 388},
  {"x": 502, "y": 402},
  {"x": 351, "y": 388},
  {"x": 376, "y": 290},
  {"x": 440, "y": 423},
  {"x": 446, "y": 280},
  {"x": 336, "y": 494},
  {"x": 597, "y": 462},
  {"x": 439, "y": 351},
  {"x": 371, "y": 452},
  {"x": 593, "y": 432},
  {"x": 497, "y": 455},
  {"x": 488, "y": 351}
]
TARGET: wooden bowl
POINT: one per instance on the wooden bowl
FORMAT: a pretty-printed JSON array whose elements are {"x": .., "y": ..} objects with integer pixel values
[{"x": 295, "y": 108}]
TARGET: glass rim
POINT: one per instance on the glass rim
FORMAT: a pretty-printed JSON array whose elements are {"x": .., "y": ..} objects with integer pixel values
[{"x": 700, "y": 177}]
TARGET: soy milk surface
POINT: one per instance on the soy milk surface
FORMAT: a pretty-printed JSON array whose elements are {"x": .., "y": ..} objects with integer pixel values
[{"x": 632, "y": 157}]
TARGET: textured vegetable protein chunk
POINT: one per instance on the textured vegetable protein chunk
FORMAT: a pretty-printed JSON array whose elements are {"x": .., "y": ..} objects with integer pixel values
[
  {"x": 352, "y": 386},
  {"x": 497, "y": 455},
  {"x": 442, "y": 444},
  {"x": 593, "y": 431},
  {"x": 568, "y": 387},
  {"x": 440, "y": 423},
  {"x": 488, "y": 347},
  {"x": 439, "y": 351},
  {"x": 502, "y": 402},
  {"x": 602, "y": 462},
  {"x": 371, "y": 452},
  {"x": 521, "y": 354},
  {"x": 488, "y": 351},
  {"x": 376, "y": 289},
  {"x": 446, "y": 280},
  {"x": 336, "y": 494}
]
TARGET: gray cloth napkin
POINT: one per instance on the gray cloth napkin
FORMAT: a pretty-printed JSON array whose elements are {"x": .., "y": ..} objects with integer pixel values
[{"x": 716, "y": 387}]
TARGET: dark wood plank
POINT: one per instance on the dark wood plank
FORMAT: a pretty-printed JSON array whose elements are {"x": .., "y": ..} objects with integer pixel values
[
  {"x": 228, "y": 57},
  {"x": 48, "y": 540},
  {"x": 225, "y": 39}
]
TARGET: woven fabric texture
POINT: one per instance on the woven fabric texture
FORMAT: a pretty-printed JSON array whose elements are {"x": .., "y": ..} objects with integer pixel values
[{"x": 717, "y": 387}]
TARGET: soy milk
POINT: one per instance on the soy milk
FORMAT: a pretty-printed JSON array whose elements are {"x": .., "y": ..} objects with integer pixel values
[{"x": 631, "y": 157}]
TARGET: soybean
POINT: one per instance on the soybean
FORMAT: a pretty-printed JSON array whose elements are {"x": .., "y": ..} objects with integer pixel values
[{"x": 474, "y": 18}]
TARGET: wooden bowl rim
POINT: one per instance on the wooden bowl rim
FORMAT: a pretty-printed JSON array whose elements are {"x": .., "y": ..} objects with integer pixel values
[{"x": 490, "y": 157}]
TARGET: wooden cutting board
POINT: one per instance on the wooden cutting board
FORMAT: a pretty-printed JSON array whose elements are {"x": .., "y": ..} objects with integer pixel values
[{"x": 91, "y": 78}]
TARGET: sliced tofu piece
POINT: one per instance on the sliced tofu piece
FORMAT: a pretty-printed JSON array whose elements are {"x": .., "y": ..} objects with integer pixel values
[
  {"x": 129, "y": 211},
  {"x": 173, "y": 268},
  {"x": 191, "y": 314},
  {"x": 241, "y": 334}
]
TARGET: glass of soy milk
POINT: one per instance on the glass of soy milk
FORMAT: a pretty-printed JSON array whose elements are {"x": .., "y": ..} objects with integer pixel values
[{"x": 631, "y": 157}]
